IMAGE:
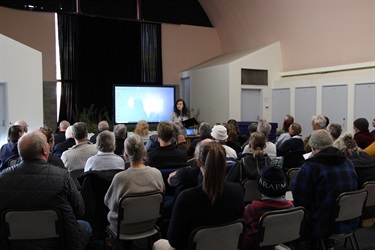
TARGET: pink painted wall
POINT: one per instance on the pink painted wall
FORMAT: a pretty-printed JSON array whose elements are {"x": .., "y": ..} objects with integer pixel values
[
  {"x": 313, "y": 34},
  {"x": 34, "y": 29},
  {"x": 185, "y": 46}
]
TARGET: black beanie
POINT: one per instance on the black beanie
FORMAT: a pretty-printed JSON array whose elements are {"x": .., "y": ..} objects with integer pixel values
[
  {"x": 361, "y": 124},
  {"x": 272, "y": 182}
]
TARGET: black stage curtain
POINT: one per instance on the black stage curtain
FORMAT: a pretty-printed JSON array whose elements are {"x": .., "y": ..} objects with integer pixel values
[{"x": 96, "y": 53}]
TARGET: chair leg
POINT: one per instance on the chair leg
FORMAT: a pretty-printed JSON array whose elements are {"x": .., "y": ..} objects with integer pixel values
[{"x": 356, "y": 242}]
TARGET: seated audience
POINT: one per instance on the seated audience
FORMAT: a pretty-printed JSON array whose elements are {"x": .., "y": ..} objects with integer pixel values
[
  {"x": 250, "y": 164},
  {"x": 317, "y": 122},
  {"x": 121, "y": 132},
  {"x": 29, "y": 185},
  {"x": 251, "y": 128},
  {"x": 75, "y": 158},
  {"x": 10, "y": 150},
  {"x": 335, "y": 130},
  {"x": 212, "y": 203},
  {"x": 242, "y": 138},
  {"x": 184, "y": 178},
  {"x": 167, "y": 155},
  {"x": 265, "y": 128},
  {"x": 292, "y": 150},
  {"x": 48, "y": 132},
  {"x": 318, "y": 183},
  {"x": 272, "y": 185},
  {"x": 137, "y": 179},
  {"x": 69, "y": 142},
  {"x": 23, "y": 124},
  {"x": 180, "y": 139},
  {"x": 141, "y": 129},
  {"x": 105, "y": 159},
  {"x": 204, "y": 133},
  {"x": 370, "y": 149},
  {"x": 219, "y": 134},
  {"x": 364, "y": 164},
  {"x": 232, "y": 140},
  {"x": 294, "y": 143},
  {"x": 102, "y": 126},
  {"x": 373, "y": 124},
  {"x": 283, "y": 134},
  {"x": 60, "y": 133},
  {"x": 362, "y": 135}
]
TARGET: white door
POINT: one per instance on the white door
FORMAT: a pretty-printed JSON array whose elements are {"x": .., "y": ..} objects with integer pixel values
[
  {"x": 335, "y": 104},
  {"x": 364, "y": 102},
  {"x": 3, "y": 115},
  {"x": 280, "y": 105},
  {"x": 305, "y": 108},
  {"x": 251, "y": 103}
]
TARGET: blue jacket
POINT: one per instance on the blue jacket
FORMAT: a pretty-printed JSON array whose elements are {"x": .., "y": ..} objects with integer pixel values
[
  {"x": 8, "y": 151},
  {"x": 320, "y": 180}
]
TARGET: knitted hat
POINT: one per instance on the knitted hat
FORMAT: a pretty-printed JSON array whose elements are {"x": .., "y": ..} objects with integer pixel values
[
  {"x": 361, "y": 124},
  {"x": 219, "y": 132},
  {"x": 320, "y": 139},
  {"x": 272, "y": 182}
]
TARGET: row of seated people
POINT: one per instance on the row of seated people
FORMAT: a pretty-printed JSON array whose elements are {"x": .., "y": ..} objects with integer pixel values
[{"x": 217, "y": 131}]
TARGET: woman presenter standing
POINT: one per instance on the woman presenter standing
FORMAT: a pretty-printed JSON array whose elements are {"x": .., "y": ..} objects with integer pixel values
[{"x": 180, "y": 113}]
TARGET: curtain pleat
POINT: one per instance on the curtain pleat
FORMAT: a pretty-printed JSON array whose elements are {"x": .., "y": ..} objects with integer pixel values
[{"x": 97, "y": 53}]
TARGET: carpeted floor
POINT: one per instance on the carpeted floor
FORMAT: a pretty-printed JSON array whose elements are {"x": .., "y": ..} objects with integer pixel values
[{"x": 366, "y": 239}]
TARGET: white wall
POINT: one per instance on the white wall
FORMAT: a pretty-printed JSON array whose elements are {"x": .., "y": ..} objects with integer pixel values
[
  {"x": 347, "y": 78},
  {"x": 21, "y": 71},
  {"x": 209, "y": 93},
  {"x": 216, "y": 84}
]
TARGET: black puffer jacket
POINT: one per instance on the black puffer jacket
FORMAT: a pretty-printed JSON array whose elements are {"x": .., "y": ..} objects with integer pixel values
[
  {"x": 247, "y": 167},
  {"x": 38, "y": 184}
]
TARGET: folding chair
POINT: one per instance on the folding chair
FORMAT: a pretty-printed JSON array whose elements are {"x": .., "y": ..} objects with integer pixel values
[
  {"x": 349, "y": 205},
  {"x": 280, "y": 226},
  {"x": 224, "y": 236},
  {"x": 251, "y": 191},
  {"x": 75, "y": 174},
  {"x": 137, "y": 216},
  {"x": 33, "y": 227},
  {"x": 369, "y": 209},
  {"x": 290, "y": 175}
]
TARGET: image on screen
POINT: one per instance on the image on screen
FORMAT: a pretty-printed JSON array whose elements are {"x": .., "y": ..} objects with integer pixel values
[{"x": 150, "y": 103}]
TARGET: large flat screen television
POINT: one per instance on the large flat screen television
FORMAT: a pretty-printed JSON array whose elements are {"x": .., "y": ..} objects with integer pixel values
[{"x": 151, "y": 103}]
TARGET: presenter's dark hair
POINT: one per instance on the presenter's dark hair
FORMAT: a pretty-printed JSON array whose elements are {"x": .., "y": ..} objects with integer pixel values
[{"x": 185, "y": 111}]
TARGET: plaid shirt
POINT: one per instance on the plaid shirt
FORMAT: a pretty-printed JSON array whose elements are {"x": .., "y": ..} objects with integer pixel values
[
  {"x": 320, "y": 180},
  {"x": 252, "y": 215}
]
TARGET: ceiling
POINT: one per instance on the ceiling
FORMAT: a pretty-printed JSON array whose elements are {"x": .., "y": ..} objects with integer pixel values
[{"x": 187, "y": 12}]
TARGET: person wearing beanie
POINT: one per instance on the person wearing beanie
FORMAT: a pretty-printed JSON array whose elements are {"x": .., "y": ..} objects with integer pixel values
[
  {"x": 320, "y": 180},
  {"x": 219, "y": 134},
  {"x": 272, "y": 185},
  {"x": 362, "y": 135}
]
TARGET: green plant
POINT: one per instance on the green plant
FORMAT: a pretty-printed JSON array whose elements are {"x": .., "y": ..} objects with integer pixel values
[
  {"x": 92, "y": 116},
  {"x": 195, "y": 114}
]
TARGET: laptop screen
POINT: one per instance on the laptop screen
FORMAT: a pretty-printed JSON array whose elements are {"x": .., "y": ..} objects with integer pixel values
[{"x": 190, "y": 131}]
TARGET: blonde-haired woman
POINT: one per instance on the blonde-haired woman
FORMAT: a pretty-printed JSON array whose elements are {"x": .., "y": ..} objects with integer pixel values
[{"x": 141, "y": 129}]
